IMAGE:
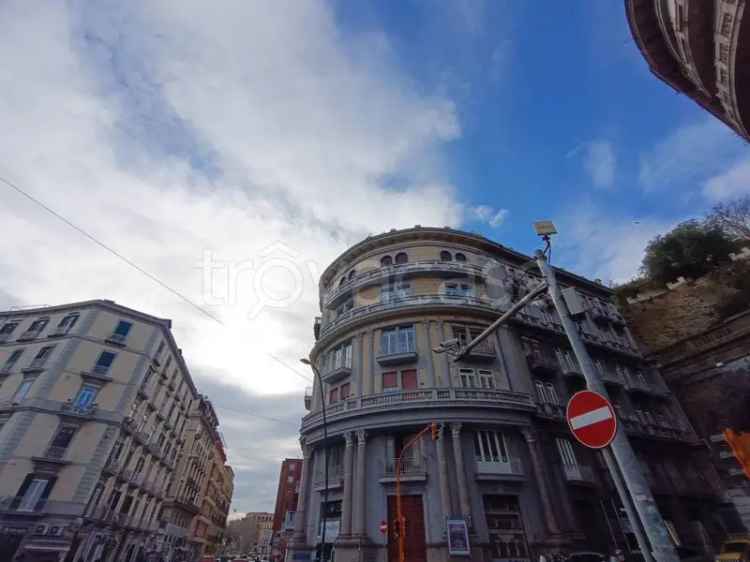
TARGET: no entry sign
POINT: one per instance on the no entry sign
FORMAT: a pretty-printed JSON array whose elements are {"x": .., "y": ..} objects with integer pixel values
[{"x": 591, "y": 419}]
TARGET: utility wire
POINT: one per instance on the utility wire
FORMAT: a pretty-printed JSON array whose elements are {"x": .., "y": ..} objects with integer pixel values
[{"x": 135, "y": 266}]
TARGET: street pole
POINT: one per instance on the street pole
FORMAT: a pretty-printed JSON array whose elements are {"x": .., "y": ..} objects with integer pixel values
[
  {"x": 624, "y": 457},
  {"x": 323, "y": 556}
]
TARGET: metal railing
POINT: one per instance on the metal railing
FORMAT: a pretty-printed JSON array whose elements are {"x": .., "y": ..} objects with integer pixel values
[
  {"x": 423, "y": 397},
  {"x": 578, "y": 473},
  {"x": 37, "y": 363},
  {"x": 56, "y": 453},
  {"x": 116, "y": 338},
  {"x": 509, "y": 466},
  {"x": 30, "y": 334},
  {"x": 79, "y": 409},
  {"x": 550, "y": 411},
  {"x": 410, "y": 466}
]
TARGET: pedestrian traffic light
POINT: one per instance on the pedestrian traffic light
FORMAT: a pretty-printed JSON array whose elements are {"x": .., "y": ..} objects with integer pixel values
[
  {"x": 435, "y": 431},
  {"x": 740, "y": 445}
]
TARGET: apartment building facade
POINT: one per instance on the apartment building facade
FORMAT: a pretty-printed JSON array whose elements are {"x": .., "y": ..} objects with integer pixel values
[
  {"x": 505, "y": 463},
  {"x": 94, "y": 403},
  {"x": 286, "y": 505},
  {"x": 701, "y": 49}
]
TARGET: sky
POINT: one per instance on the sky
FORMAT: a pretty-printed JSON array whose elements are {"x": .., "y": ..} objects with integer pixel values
[{"x": 232, "y": 150}]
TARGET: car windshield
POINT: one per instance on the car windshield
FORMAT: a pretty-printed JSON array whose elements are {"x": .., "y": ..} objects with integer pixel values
[{"x": 735, "y": 547}]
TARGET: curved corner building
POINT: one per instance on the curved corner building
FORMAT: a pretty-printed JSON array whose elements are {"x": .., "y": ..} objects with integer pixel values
[
  {"x": 504, "y": 463},
  {"x": 702, "y": 49}
]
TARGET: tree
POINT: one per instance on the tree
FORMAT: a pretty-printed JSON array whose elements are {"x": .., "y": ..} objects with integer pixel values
[
  {"x": 691, "y": 249},
  {"x": 733, "y": 218}
]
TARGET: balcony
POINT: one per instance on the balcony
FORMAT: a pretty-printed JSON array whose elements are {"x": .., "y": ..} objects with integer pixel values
[
  {"x": 116, "y": 339},
  {"x": 36, "y": 365},
  {"x": 337, "y": 373},
  {"x": 510, "y": 469},
  {"x": 113, "y": 466},
  {"x": 79, "y": 410},
  {"x": 397, "y": 355},
  {"x": 542, "y": 364},
  {"x": 485, "y": 351},
  {"x": 579, "y": 474},
  {"x": 425, "y": 398},
  {"x": 30, "y": 334},
  {"x": 16, "y": 505},
  {"x": 639, "y": 383},
  {"x": 411, "y": 469},
  {"x": 377, "y": 275},
  {"x": 53, "y": 454},
  {"x": 569, "y": 365},
  {"x": 554, "y": 412}
]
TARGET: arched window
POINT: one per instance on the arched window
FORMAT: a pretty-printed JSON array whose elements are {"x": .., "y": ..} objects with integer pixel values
[
  {"x": 460, "y": 256},
  {"x": 445, "y": 256},
  {"x": 342, "y": 281},
  {"x": 401, "y": 257},
  {"x": 386, "y": 261},
  {"x": 351, "y": 275}
]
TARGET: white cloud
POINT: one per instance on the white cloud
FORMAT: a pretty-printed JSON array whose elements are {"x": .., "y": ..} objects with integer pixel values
[
  {"x": 489, "y": 215},
  {"x": 599, "y": 244},
  {"x": 735, "y": 182},
  {"x": 600, "y": 163},
  {"x": 688, "y": 155},
  {"x": 168, "y": 130}
]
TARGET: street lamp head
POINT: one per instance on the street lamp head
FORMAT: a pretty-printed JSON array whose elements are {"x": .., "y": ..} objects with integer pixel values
[
  {"x": 305, "y": 360},
  {"x": 544, "y": 228}
]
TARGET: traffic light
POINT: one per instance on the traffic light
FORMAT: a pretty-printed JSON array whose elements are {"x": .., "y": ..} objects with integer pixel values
[
  {"x": 740, "y": 445},
  {"x": 435, "y": 431}
]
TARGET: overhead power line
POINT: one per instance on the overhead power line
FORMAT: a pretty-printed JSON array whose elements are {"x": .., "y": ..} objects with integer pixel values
[{"x": 137, "y": 267}]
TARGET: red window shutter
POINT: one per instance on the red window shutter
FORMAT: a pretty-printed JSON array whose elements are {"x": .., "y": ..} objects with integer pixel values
[
  {"x": 409, "y": 379},
  {"x": 345, "y": 389},
  {"x": 389, "y": 380},
  {"x": 333, "y": 395}
]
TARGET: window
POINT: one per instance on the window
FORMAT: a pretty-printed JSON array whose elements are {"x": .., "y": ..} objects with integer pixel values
[
  {"x": 398, "y": 340},
  {"x": 41, "y": 357},
  {"x": 390, "y": 380},
  {"x": 345, "y": 307},
  {"x": 67, "y": 323},
  {"x": 61, "y": 441},
  {"x": 505, "y": 525},
  {"x": 386, "y": 261},
  {"x": 7, "y": 329},
  {"x": 458, "y": 289},
  {"x": 469, "y": 378},
  {"x": 23, "y": 390},
  {"x": 490, "y": 446},
  {"x": 345, "y": 391},
  {"x": 121, "y": 332},
  {"x": 546, "y": 392},
  {"x": 340, "y": 356},
  {"x": 12, "y": 359},
  {"x": 352, "y": 273},
  {"x": 726, "y": 24},
  {"x": 38, "y": 325},
  {"x": 445, "y": 256},
  {"x": 85, "y": 396},
  {"x": 723, "y": 53},
  {"x": 567, "y": 455},
  {"x": 394, "y": 292},
  {"x": 460, "y": 256},
  {"x": 333, "y": 395},
  {"x": 31, "y": 492},
  {"x": 401, "y": 258},
  {"x": 160, "y": 348},
  {"x": 104, "y": 362},
  {"x": 342, "y": 281}
]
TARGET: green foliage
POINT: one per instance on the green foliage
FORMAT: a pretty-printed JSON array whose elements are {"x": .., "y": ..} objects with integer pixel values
[
  {"x": 691, "y": 249},
  {"x": 738, "y": 301}
]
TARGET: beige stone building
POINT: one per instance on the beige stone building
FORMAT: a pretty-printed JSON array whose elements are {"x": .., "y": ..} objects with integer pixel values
[
  {"x": 94, "y": 406},
  {"x": 198, "y": 503}
]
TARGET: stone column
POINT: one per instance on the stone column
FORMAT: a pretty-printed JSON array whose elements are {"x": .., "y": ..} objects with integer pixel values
[
  {"x": 445, "y": 498},
  {"x": 370, "y": 387},
  {"x": 300, "y": 535},
  {"x": 431, "y": 381},
  {"x": 361, "y": 495},
  {"x": 537, "y": 464},
  {"x": 346, "y": 510},
  {"x": 463, "y": 491}
]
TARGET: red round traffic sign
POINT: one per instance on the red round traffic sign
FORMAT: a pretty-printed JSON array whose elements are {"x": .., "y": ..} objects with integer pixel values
[{"x": 592, "y": 419}]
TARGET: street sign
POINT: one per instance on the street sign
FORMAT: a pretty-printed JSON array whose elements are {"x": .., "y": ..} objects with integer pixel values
[
  {"x": 591, "y": 419},
  {"x": 383, "y": 527}
]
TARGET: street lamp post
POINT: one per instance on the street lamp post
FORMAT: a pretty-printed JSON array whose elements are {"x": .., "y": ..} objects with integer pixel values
[{"x": 323, "y": 555}]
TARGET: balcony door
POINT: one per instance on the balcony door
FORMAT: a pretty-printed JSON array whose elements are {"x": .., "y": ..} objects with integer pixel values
[
  {"x": 414, "y": 543},
  {"x": 409, "y": 379}
]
